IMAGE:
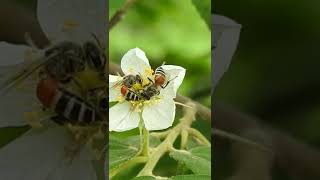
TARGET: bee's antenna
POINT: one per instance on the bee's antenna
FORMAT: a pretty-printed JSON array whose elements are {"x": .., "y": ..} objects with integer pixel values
[{"x": 172, "y": 78}]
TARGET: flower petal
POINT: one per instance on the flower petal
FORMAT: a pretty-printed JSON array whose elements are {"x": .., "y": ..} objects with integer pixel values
[
  {"x": 33, "y": 155},
  {"x": 135, "y": 62},
  {"x": 122, "y": 118},
  {"x": 80, "y": 168},
  {"x": 159, "y": 116},
  {"x": 168, "y": 92},
  {"x": 73, "y": 19},
  {"x": 176, "y": 73},
  {"x": 114, "y": 90},
  {"x": 225, "y": 38},
  {"x": 12, "y": 54},
  {"x": 18, "y": 101}
]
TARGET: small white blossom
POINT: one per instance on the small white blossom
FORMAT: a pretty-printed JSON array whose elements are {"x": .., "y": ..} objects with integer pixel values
[
  {"x": 158, "y": 112},
  {"x": 40, "y": 153}
]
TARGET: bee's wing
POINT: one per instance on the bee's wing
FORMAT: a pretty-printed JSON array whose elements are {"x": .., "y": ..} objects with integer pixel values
[
  {"x": 20, "y": 72},
  {"x": 75, "y": 20},
  {"x": 18, "y": 103},
  {"x": 116, "y": 84},
  {"x": 114, "y": 91}
]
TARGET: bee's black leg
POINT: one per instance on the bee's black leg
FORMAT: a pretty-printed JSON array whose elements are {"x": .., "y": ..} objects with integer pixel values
[
  {"x": 150, "y": 80},
  {"x": 165, "y": 85}
]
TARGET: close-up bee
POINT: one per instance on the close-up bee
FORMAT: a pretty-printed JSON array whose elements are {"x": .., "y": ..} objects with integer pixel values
[
  {"x": 126, "y": 84},
  {"x": 68, "y": 107},
  {"x": 160, "y": 77},
  {"x": 67, "y": 58},
  {"x": 150, "y": 90},
  {"x": 57, "y": 68}
]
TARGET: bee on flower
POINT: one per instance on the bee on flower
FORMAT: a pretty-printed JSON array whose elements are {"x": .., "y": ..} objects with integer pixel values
[
  {"x": 49, "y": 150},
  {"x": 148, "y": 99}
]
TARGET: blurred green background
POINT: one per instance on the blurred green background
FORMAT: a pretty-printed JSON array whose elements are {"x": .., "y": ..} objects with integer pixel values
[{"x": 275, "y": 73}]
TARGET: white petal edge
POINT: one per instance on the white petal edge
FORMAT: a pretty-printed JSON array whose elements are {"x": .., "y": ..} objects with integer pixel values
[
  {"x": 122, "y": 118},
  {"x": 226, "y": 34},
  {"x": 134, "y": 62},
  {"x": 33, "y": 155},
  {"x": 114, "y": 91},
  {"x": 176, "y": 72},
  {"x": 87, "y": 16},
  {"x": 159, "y": 116},
  {"x": 12, "y": 54}
]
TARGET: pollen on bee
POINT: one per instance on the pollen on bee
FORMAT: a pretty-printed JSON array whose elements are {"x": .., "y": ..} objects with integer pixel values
[{"x": 137, "y": 86}]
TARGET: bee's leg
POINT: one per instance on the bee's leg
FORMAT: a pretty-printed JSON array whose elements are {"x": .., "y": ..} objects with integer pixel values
[
  {"x": 150, "y": 80},
  {"x": 168, "y": 82},
  {"x": 164, "y": 86}
]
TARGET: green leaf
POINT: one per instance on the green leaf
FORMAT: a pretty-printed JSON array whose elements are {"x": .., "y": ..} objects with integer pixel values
[
  {"x": 191, "y": 177},
  {"x": 144, "y": 178},
  {"x": 119, "y": 151},
  {"x": 204, "y": 9},
  {"x": 198, "y": 160},
  {"x": 202, "y": 151}
]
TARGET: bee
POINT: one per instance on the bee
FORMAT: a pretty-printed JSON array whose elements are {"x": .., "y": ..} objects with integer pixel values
[
  {"x": 129, "y": 94},
  {"x": 160, "y": 77},
  {"x": 69, "y": 107},
  {"x": 127, "y": 84},
  {"x": 160, "y": 81},
  {"x": 62, "y": 61},
  {"x": 67, "y": 58},
  {"x": 150, "y": 91},
  {"x": 130, "y": 80}
]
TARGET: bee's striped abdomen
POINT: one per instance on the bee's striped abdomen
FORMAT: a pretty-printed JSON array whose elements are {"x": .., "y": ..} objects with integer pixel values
[
  {"x": 160, "y": 71},
  {"x": 132, "y": 96},
  {"x": 74, "y": 109}
]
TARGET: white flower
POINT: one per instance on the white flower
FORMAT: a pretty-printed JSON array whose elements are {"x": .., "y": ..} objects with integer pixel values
[
  {"x": 39, "y": 154},
  {"x": 158, "y": 112},
  {"x": 224, "y": 40}
]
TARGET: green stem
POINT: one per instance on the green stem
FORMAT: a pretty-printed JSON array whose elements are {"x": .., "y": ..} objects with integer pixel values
[
  {"x": 167, "y": 144},
  {"x": 145, "y": 147},
  {"x": 141, "y": 126},
  {"x": 199, "y": 135}
]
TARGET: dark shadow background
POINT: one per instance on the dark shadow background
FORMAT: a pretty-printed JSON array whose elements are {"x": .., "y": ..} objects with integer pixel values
[{"x": 275, "y": 73}]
